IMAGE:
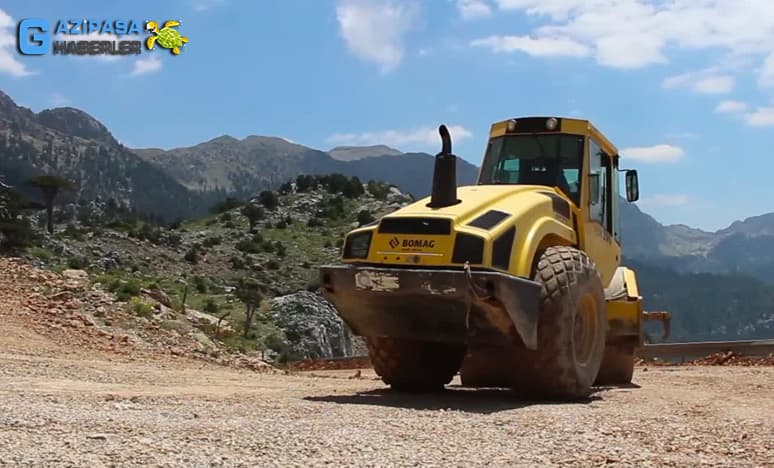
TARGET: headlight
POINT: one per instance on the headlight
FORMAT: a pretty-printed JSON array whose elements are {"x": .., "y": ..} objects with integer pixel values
[
  {"x": 551, "y": 123},
  {"x": 356, "y": 245},
  {"x": 511, "y": 125}
]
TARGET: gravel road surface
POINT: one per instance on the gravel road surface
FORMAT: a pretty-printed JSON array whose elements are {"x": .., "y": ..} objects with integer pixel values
[{"x": 97, "y": 411}]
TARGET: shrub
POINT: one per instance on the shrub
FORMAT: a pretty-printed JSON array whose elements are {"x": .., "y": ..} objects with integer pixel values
[
  {"x": 172, "y": 239},
  {"x": 72, "y": 232},
  {"x": 353, "y": 188},
  {"x": 237, "y": 263},
  {"x": 248, "y": 246},
  {"x": 139, "y": 308},
  {"x": 125, "y": 290},
  {"x": 364, "y": 217},
  {"x": 211, "y": 241},
  {"x": 253, "y": 213},
  {"x": 272, "y": 265},
  {"x": 281, "y": 224},
  {"x": 200, "y": 284},
  {"x": 269, "y": 199},
  {"x": 314, "y": 222},
  {"x": 77, "y": 263},
  {"x": 331, "y": 208},
  {"x": 211, "y": 307},
  {"x": 378, "y": 190},
  {"x": 192, "y": 256},
  {"x": 280, "y": 248}
]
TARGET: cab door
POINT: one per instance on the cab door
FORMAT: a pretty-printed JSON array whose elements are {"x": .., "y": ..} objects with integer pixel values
[{"x": 599, "y": 236}]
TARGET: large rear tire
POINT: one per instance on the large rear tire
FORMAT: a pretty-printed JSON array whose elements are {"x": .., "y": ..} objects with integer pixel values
[
  {"x": 617, "y": 366},
  {"x": 571, "y": 329},
  {"x": 414, "y": 366}
]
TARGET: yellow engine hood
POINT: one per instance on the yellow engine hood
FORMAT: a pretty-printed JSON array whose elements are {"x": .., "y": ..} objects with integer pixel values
[
  {"x": 471, "y": 230},
  {"x": 477, "y": 199}
]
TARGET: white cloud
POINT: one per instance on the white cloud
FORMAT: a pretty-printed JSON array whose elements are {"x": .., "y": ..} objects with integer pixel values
[
  {"x": 539, "y": 47},
  {"x": 731, "y": 107},
  {"x": 707, "y": 81},
  {"x": 9, "y": 63},
  {"x": 374, "y": 30},
  {"x": 656, "y": 154},
  {"x": 423, "y": 137},
  {"x": 637, "y": 33},
  {"x": 473, "y": 9},
  {"x": 663, "y": 199},
  {"x": 146, "y": 65},
  {"x": 58, "y": 100},
  {"x": 761, "y": 117}
]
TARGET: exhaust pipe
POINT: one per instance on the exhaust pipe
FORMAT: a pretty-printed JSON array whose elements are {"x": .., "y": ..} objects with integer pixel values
[{"x": 444, "y": 174}]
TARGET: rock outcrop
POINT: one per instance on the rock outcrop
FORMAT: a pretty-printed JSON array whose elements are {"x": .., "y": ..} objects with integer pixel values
[{"x": 312, "y": 328}]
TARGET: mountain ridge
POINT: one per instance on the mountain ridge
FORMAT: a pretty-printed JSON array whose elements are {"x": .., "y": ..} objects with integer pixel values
[{"x": 184, "y": 182}]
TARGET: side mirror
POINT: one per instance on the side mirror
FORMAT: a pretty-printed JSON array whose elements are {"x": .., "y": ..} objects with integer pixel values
[
  {"x": 632, "y": 186},
  {"x": 594, "y": 189}
]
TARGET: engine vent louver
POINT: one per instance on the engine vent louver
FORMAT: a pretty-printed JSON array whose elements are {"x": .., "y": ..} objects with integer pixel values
[
  {"x": 428, "y": 226},
  {"x": 501, "y": 249},
  {"x": 468, "y": 248},
  {"x": 489, "y": 219}
]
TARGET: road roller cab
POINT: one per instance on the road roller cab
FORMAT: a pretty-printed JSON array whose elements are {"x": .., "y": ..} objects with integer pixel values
[{"x": 510, "y": 280}]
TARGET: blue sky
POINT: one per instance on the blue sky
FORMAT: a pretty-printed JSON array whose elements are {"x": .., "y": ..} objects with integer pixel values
[{"x": 684, "y": 88}]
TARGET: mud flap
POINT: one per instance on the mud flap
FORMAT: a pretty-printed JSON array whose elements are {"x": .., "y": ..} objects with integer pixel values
[{"x": 434, "y": 305}]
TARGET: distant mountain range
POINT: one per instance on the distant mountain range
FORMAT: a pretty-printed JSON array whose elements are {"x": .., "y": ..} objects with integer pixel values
[
  {"x": 185, "y": 182},
  {"x": 745, "y": 247},
  {"x": 242, "y": 167},
  {"x": 70, "y": 143}
]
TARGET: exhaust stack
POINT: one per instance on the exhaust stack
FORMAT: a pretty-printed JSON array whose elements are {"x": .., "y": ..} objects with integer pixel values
[{"x": 444, "y": 174}]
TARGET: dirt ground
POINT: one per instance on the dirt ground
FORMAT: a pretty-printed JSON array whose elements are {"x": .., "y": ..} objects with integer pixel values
[
  {"x": 87, "y": 409},
  {"x": 64, "y": 402}
]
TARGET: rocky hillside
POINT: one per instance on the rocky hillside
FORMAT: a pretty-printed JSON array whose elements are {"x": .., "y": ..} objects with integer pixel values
[
  {"x": 69, "y": 143},
  {"x": 276, "y": 240}
]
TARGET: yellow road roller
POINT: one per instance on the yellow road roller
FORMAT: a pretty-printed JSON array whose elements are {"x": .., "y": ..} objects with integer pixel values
[{"x": 514, "y": 281}]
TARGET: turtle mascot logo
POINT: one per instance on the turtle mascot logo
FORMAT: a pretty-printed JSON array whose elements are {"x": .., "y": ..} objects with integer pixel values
[{"x": 167, "y": 37}]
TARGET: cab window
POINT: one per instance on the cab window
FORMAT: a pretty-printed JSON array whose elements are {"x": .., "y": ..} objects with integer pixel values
[
  {"x": 552, "y": 160},
  {"x": 600, "y": 179}
]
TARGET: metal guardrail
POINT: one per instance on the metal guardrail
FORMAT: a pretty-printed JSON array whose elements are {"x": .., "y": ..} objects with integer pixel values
[
  {"x": 699, "y": 349},
  {"x": 664, "y": 351}
]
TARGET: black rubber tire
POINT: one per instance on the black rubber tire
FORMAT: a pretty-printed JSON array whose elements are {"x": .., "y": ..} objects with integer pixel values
[
  {"x": 414, "y": 366},
  {"x": 553, "y": 371},
  {"x": 617, "y": 366}
]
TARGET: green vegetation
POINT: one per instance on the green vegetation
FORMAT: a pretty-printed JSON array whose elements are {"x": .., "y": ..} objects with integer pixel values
[{"x": 139, "y": 308}]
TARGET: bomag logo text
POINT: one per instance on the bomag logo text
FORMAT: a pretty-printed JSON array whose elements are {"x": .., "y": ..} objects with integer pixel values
[{"x": 418, "y": 244}]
